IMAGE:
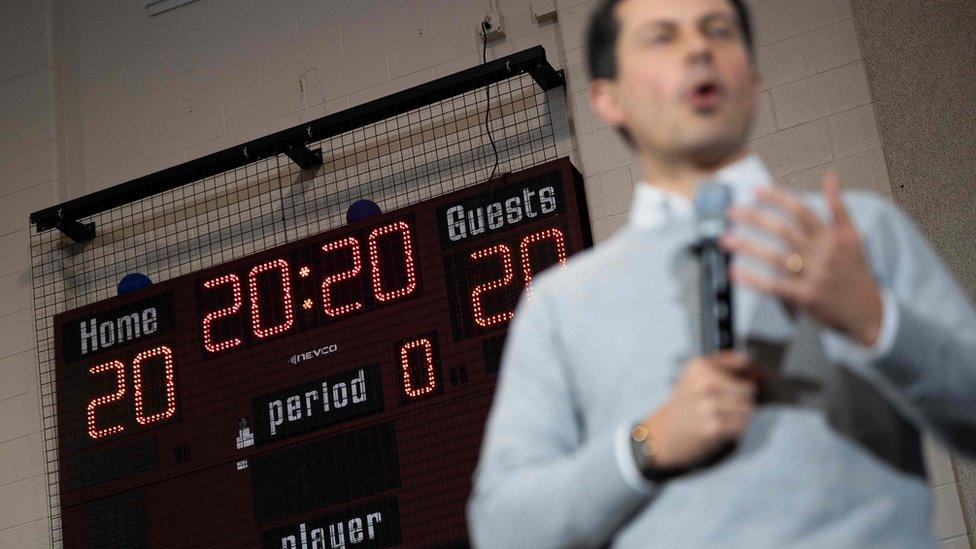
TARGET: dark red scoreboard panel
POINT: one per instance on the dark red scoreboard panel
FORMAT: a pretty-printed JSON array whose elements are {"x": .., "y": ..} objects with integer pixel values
[{"x": 327, "y": 393}]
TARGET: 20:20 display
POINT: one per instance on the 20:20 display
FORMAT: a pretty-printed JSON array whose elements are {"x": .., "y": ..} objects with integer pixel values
[{"x": 282, "y": 270}]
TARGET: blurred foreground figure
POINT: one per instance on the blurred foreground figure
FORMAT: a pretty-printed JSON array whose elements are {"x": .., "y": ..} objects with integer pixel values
[{"x": 610, "y": 426}]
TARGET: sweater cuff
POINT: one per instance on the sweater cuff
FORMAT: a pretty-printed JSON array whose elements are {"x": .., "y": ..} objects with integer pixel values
[
  {"x": 889, "y": 326},
  {"x": 627, "y": 465},
  {"x": 881, "y": 349},
  {"x": 918, "y": 347}
]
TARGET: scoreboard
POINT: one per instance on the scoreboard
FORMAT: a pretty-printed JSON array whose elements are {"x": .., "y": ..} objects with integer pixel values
[{"x": 330, "y": 392}]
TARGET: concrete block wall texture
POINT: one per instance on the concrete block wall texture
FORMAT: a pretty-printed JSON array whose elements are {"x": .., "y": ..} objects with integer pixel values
[
  {"x": 31, "y": 175},
  {"x": 118, "y": 94},
  {"x": 922, "y": 69},
  {"x": 151, "y": 92}
]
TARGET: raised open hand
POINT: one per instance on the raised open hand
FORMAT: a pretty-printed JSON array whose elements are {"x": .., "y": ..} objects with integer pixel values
[{"x": 825, "y": 271}]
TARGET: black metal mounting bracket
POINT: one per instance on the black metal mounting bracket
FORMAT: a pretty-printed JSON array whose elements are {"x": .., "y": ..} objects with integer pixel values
[
  {"x": 79, "y": 232},
  {"x": 544, "y": 75},
  {"x": 303, "y": 156},
  {"x": 294, "y": 141}
]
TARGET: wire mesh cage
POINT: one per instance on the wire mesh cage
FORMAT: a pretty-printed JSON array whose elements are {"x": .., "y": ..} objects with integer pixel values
[{"x": 398, "y": 161}]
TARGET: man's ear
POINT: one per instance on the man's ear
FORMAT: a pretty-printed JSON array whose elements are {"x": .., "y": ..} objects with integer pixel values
[{"x": 604, "y": 102}]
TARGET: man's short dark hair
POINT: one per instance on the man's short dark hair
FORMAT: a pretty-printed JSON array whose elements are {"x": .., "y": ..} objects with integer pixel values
[{"x": 601, "y": 41}]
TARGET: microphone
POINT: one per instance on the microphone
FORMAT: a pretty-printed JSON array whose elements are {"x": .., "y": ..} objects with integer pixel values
[{"x": 715, "y": 291}]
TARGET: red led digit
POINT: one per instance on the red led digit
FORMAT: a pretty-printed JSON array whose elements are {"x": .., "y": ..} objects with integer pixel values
[
  {"x": 208, "y": 341},
  {"x": 93, "y": 430},
  {"x": 479, "y": 314},
  {"x": 374, "y": 261},
  {"x": 348, "y": 242},
  {"x": 167, "y": 355},
  {"x": 549, "y": 234},
  {"x": 408, "y": 385},
  {"x": 252, "y": 281}
]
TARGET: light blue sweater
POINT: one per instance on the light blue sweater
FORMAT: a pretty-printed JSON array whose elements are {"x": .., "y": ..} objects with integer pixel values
[{"x": 831, "y": 460}]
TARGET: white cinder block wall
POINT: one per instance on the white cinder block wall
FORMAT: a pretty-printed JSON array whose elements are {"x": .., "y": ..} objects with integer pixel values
[
  {"x": 95, "y": 93},
  {"x": 31, "y": 176}
]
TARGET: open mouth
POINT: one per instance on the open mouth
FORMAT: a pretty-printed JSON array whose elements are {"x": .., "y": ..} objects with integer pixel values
[{"x": 706, "y": 96}]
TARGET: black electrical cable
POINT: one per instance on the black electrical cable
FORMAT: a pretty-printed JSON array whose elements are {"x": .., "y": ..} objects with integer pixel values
[{"x": 484, "y": 59}]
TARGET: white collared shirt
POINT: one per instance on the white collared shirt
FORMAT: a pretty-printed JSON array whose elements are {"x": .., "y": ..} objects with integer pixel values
[{"x": 654, "y": 206}]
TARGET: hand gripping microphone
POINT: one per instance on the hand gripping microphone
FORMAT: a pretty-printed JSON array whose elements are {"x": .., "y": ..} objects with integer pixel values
[{"x": 715, "y": 291}]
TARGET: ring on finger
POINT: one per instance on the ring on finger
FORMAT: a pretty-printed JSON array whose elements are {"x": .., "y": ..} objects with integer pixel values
[{"x": 794, "y": 263}]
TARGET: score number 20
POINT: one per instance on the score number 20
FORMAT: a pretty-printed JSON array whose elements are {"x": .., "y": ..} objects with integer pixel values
[{"x": 503, "y": 251}]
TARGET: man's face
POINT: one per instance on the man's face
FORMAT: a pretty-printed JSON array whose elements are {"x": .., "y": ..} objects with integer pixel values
[{"x": 685, "y": 86}]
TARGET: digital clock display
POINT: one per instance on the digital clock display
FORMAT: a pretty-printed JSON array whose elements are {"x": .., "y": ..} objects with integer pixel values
[{"x": 325, "y": 393}]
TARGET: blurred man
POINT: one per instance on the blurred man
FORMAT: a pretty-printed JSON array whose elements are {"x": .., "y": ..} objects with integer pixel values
[{"x": 607, "y": 428}]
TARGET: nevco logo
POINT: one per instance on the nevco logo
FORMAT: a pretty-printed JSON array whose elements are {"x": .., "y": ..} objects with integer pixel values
[{"x": 314, "y": 353}]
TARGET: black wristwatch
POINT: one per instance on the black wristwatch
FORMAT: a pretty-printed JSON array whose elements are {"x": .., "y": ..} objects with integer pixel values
[{"x": 642, "y": 447}]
